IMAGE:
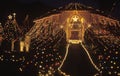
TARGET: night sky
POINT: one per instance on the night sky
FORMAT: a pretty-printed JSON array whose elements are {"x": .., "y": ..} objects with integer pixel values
[{"x": 35, "y": 8}]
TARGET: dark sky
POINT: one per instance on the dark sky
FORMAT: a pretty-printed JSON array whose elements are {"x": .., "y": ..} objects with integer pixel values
[{"x": 36, "y": 8}]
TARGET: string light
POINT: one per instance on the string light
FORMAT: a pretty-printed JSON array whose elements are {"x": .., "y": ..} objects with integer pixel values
[
  {"x": 45, "y": 52},
  {"x": 107, "y": 50}
]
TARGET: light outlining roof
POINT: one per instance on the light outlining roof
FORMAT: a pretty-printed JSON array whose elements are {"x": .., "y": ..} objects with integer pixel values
[
  {"x": 61, "y": 18},
  {"x": 62, "y": 13}
]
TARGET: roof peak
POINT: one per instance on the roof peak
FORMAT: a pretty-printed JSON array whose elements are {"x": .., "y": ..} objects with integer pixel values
[{"x": 76, "y": 6}]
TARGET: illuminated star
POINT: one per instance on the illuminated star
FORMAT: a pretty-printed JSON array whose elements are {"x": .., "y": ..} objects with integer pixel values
[
  {"x": 75, "y": 18},
  {"x": 10, "y": 17}
]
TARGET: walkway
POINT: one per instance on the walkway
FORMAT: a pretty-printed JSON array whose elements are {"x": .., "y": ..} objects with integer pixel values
[{"x": 77, "y": 62}]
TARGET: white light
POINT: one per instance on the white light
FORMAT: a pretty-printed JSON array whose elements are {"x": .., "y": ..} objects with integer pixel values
[
  {"x": 14, "y": 14},
  {"x": 109, "y": 72},
  {"x": 40, "y": 66},
  {"x": 89, "y": 25},
  {"x": 20, "y": 69},
  {"x": 61, "y": 26},
  {"x": 111, "y": 67},
  {"x": 117, "y": 66},
  {"x": 115, "y": 72},
  {"x": 42, "y": 52},
  {"x": 111, "y": 61},
  {"x": 118, "y": 74},
  {"x": 114, "y": 63}
]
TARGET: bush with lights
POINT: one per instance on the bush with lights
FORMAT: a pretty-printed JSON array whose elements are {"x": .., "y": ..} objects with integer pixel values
[
  {"x": 105, "y": 48},
  {"x": 49, "y": 50}
]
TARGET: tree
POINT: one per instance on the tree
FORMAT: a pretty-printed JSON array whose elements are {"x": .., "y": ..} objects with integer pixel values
[{"x": 12, "y": 30}]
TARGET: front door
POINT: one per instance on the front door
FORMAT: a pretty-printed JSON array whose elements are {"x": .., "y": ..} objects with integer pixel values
[{"x": 74, "y": 35}]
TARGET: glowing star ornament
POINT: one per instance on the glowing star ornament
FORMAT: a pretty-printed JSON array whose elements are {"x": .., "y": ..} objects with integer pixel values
[
  {"x": 10, "y": 17},
  {"x": 75, "y": 18}
]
